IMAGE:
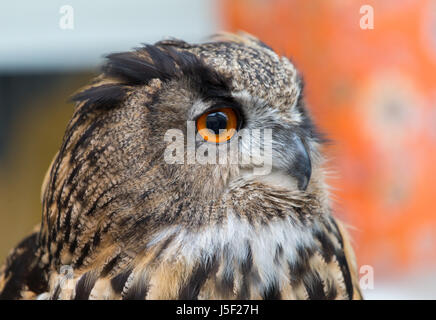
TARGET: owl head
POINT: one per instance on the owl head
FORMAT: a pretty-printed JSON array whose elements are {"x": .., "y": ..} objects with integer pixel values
[{"x": 171, "y": 133}]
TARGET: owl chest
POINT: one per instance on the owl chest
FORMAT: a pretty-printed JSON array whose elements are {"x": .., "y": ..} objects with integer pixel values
[
  {"x": 235, "y": 261},
  {"x": 232, "y": 261}
]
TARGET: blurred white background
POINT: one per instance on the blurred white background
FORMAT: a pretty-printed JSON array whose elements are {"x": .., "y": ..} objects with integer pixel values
[{"x": 31, "y": 38}]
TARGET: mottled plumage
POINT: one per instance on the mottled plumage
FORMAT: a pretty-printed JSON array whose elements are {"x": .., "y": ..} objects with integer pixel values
[{"x": 120, "y": 222}]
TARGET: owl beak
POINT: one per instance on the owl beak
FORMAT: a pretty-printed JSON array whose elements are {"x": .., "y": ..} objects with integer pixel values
[{"x": 301, "y": 166}]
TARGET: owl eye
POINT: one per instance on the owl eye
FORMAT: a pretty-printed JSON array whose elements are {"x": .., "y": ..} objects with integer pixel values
[{"x": 218, "y": 125}]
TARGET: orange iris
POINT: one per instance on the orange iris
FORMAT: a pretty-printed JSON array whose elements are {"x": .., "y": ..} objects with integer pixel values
[{"x": 228, "y": 123}]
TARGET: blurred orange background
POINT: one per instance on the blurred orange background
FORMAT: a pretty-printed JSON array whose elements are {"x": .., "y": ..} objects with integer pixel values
[{"x": 373, "y": 91}]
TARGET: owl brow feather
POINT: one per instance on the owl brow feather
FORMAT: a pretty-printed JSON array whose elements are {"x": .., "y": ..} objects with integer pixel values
[
  {"x": 105, "y": 96},
  {"x": 161, "y": 61}
]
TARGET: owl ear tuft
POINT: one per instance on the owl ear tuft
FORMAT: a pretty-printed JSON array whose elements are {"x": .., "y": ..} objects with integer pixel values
[
  {"x": 164, "y": 61},
  {"x": 139, "y": 67},
  {"x": 105, "y": 96}
]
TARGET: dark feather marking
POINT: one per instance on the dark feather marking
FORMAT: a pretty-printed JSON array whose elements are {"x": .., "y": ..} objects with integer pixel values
[
  {"x": 73, "y": 187},
  {"x": 92, "y": 156},
  {"x": 110, "y": 265},
  {"x": 332, "y": 292},
  {"x": 108, "y": 224},
  {"x": 343, "y": 264},
  {"x": 179, "y": 209},
  {"x": 164, "y": 62},
  {"x": 79, "y": 194},
  {"x": 53, "y": 176},
  {"x": 138, "y": 291},
  {"x": 133, "y": 226},
  {"x": 225, "y": 284},
  {"x": 67, "y": 225},
  {"x": 52, "y": 235},
  {"x": 71, "y": 191},
  {"x": 337, "y": 232},
  {"x": 163, "y": 247},
  {"x": 246, "y": 266},
  {"x": 192, "y": 287},
  {"x": 299, "y": 212},
  {"x": 36, "y": 280},
  {"x": 83, "y": 255},
  {"x": 72, "y": 128},
  {"x": 59, "y": 246},
  {"x": 67, "y": 138},
  {"x": 84, "y": 137},
  {"x": 21, "y": 269},
  {"x": 328, "y": 249},
  {"x": 120, "y": 280},
  {"x": 79, "y": 198},
  {"x": 96, "y": 239},
  {"x": 42, "y": 239},
  {"x": 272, "y": 292},
  {"x": 54, "y": 172},
  {"x": 58, "y": 219},
  {"x": 84, "y": 285},
  {"x": 56, "y": 293},
  {"x": 105, "y": 96},
  {"x": 206, "y": 80},
  {"x": 73, "y": 245},
  {"x": 298, "y": 268},
  {"x": 72, "y": 175},
  {"x": 314, "y": 286},
  {"x": 134, "y": 69},
  {"x": 94, "y": 205},
  {"x": 279, "y": 254}
]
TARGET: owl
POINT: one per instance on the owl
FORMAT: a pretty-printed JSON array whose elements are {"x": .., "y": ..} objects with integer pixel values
[{"x": 187, "y": 171}]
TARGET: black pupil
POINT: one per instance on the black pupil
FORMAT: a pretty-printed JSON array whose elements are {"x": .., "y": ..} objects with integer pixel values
[{"x": 216, "y": 121}]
